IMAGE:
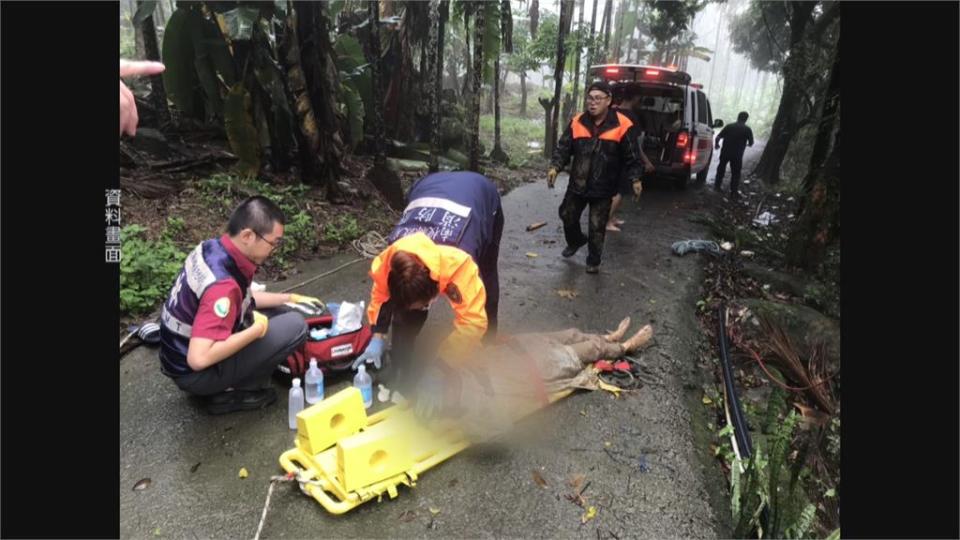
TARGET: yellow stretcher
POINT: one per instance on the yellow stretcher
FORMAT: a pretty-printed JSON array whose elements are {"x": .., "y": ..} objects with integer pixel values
[{"x": 344, "y": 458}]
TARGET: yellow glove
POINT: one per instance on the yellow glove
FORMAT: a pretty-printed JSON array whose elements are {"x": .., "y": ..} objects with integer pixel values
[
  {"x": 637, "y": 189},
  {"x": 551, "y": 177},
  {"x": 302, "y": 299},
  {"x": 261, "y": 318}
]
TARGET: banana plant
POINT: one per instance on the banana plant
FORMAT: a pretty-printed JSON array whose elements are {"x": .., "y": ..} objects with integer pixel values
[{"x": 237, "y": 64}]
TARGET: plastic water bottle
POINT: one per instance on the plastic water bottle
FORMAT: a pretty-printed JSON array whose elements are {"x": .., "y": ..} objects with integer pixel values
[
  {"x": 365, "y": 384},
  {"x": 296, "y": 402},
  {"x": 314, "y": 381}
]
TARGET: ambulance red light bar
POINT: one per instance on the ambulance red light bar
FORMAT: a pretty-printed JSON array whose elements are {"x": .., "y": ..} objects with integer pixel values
[{"x": 639, "y": 73}]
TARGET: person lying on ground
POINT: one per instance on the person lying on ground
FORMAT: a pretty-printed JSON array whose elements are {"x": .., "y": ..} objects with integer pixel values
[{"x": 516, "y": 376}]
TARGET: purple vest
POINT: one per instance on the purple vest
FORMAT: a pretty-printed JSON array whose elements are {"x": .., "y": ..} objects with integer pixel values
[{"x": 207, "y": 264}]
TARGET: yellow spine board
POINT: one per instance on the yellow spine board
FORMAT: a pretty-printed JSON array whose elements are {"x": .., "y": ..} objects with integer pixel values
[{"x": 390, "y": 449}]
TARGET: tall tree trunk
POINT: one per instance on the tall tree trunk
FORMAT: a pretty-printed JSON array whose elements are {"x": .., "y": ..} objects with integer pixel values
[
  {"x": 742, "y": 83},
  {"x": 436, "y": 72},
  {"x": 566, "y": 15},
  {"x": 758, "y": 77},
  {"x": 404, "y": 104},
  {"x": 633, "y": 44},
  {"x": 548, "y": 106},
  {"x": 534, "y": 18},
  {"x": 467, "y": 55},
  {"x": 379, "y": 148},
  {"x": 591, "y": 53},
  {"x": 829, "y": 115},
  {"x": 452, "y": 72},
  {"x": 723, "y": 78},
  {"x": 618, "y": 37},
  {"x": 321, "y": 81},
  {"x": 721, "y": 12},
  {"x": 523, "y": 94},
  {"x": 137, "y": 31},
  {"x": 818, "y": 226},
  {"x": 385, "y": 179},
  {"x": 478, "y": 23},
  {"x": 607, "y": 14},
  {"x": 506, "y": 27},
  {"x": 785, "y": 123},
  {"x": 307, "y": 132},
  {"x": 158, "y": 94},
  {"x": 576, "y": 68},
  {"x": 422, "y": 77},
  {"x": 497, "y": 154}
]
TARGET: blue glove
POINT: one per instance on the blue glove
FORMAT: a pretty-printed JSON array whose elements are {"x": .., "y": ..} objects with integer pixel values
[{"x": 372, "y": 355}]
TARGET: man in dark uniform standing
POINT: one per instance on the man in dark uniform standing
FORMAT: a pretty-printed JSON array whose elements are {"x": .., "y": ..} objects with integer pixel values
[
  {"x": 736, "y": 137},
  {"x": 602, "y": 144}
]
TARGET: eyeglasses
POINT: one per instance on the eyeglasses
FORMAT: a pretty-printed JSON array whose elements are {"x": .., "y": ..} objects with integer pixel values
[
  {"x": 595, "y": 99},
  {"x": 275, "y": 244}
]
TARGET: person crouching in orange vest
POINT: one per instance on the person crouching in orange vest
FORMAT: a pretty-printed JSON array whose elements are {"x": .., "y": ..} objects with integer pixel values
[{"x": 447, "y": 242}]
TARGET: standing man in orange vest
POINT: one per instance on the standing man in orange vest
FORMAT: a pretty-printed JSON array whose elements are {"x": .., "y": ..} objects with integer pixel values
[{"x": 603, "y": 146}]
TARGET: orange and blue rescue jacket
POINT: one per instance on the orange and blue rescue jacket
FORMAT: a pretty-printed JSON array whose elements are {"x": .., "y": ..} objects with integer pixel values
[
  {"x": 602, "y": 155},
  {"x": 459, "y": 280}
]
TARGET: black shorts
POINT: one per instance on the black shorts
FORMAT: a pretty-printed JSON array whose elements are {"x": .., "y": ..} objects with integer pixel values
[{"x": 625, "y": 187}]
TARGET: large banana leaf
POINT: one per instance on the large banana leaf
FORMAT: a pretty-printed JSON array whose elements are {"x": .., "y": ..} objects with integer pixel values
[
  {"x": 240, "y": 130},
  {"x": 491, "y": 38},
  {"x": 349, "y": 52},
  {"x": 702, "y": 53},
  {"x": 180, "y": 78},
  {"x": 270, "y": 77},
  {"x": 212, "y": 58},
  {"x": 353, "y": 103},
  {"x": 354, "y": 68}
]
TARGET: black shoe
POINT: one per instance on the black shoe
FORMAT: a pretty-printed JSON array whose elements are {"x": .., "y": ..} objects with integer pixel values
[
  {"x": 569, "y": 251},
  {"x": 735, "y": 195},
  {"x": 239, "y": 400},
  {"x": 716, "y": 187},
  {"x": 593, "y": 269}
]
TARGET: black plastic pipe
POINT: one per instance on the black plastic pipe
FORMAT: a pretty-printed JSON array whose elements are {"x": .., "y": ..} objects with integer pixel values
[{"x": 739, "y": 423}]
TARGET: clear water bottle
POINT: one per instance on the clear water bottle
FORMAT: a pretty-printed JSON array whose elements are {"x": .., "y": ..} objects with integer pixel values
[
  {"x": 296, "y": 403},
  {"x": 314, "y": 382},
  {"x": 365, "y": 384}
]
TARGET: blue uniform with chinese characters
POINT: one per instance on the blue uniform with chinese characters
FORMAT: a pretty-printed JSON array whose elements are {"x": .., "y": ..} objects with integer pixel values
[
  {"x": 458, "y": 209},
  {"x": 453, "y": 209}
]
